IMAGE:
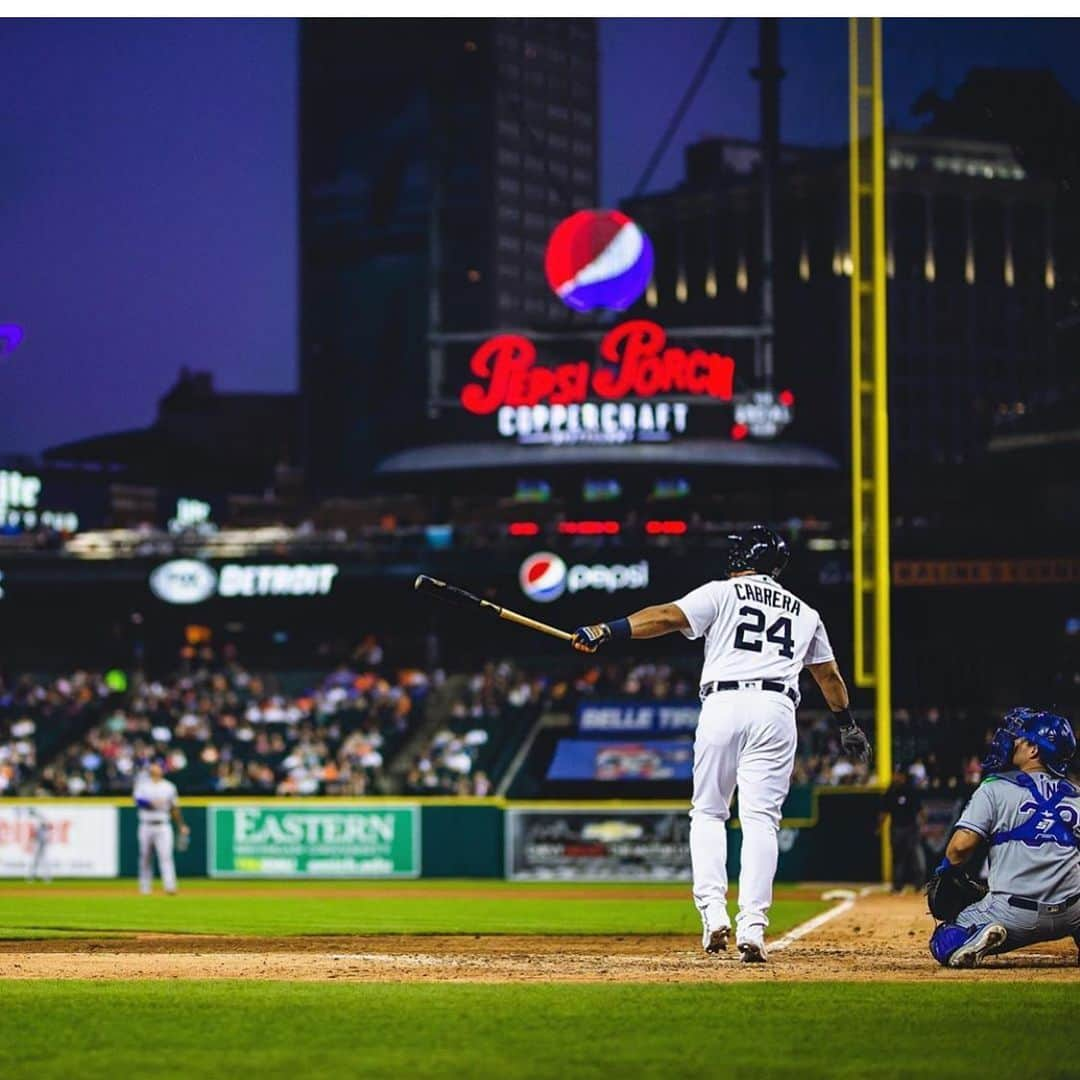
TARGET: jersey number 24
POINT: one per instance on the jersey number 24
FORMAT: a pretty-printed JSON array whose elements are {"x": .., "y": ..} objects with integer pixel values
[{"x": 748, "y": 634}]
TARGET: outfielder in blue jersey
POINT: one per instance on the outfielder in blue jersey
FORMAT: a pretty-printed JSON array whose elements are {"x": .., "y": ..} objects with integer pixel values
[{"x": 1027, "y": 814}]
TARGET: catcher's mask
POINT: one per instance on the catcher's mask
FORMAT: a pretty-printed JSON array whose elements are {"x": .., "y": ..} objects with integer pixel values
[{"x": 1052, "y": 734}]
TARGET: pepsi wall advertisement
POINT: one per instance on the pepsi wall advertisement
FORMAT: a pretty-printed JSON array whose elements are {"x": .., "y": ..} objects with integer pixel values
[
  {"x": 637, "y": 717},
  {"x": 544, "y": 577},
  {"x": 622, "y": 760}
]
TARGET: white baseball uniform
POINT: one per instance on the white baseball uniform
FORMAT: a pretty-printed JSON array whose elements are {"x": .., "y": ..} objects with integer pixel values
[
  {"x": 754, "y": 630},
  {"x": 42, "y": 834},
  {"x": 155, "y": 800}
]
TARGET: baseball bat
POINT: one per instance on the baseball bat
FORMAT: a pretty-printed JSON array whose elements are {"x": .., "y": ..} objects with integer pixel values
[{"x": 454, "y": 595}]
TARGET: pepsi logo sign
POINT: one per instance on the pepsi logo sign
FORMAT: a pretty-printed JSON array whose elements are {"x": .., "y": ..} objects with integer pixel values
[
  {"x": 543, "y": 577},
  {"x": 598, "y": 259}
]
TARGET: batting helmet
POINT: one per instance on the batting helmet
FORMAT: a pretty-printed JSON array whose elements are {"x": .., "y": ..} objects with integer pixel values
[
  {"x": 1052, "y": 734},
  {"x": 760, "y": 550}
]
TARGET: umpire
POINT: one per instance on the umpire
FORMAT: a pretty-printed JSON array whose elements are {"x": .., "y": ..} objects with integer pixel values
[{"x": 902, "y": 805}]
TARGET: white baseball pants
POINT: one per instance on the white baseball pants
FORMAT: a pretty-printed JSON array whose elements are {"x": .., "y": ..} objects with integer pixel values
[
  {"x": 157, "y": 838},
  {"x": 745, "y": 739}
]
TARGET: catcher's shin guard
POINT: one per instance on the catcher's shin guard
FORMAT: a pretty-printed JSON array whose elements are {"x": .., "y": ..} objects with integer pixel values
[{"x": 947, "y": 938}]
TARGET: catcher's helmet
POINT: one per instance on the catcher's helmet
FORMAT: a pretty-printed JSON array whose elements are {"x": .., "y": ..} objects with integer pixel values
[
  {"x": 1052, "y": 734},
  {"x": 758, "y": 549}
]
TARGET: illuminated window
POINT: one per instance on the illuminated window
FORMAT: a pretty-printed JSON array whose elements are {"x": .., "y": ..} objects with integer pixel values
[
  {"x": 930, "y": 267},
  {"x": 969, "y": 267},
  {"x": 837, "y": 263},
  {"x": 710, "y": 284},
  {"x": 742, "y": 280},
  {"x": 651, "y": 298},
  {"x": 890, "y": 263},
  {"x": 804, "y": 262},
  {"x": 848, "y": 264},
  {"x": 1049, "y": 277},
  {"x": 680, "y": 288},
  {"x": 1010, "y": 272}
]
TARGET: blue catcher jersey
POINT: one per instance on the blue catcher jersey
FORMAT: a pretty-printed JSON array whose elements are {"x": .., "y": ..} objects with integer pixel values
[{"x": 1032, "y": 824}]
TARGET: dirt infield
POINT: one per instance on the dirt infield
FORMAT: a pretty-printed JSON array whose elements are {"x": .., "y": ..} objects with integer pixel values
[{"x": 880, "y": 938}]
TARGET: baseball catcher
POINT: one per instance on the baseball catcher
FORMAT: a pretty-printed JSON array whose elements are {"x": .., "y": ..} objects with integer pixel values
[{"x": 1028, "y": 814}]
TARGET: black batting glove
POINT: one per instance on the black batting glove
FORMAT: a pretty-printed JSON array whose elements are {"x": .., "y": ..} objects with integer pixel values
[
  {"x": 588, "y": 639},
  {"x": 853, "y": 739}
]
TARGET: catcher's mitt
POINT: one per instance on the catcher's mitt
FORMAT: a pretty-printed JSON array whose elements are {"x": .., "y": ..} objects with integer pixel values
[{"x": 951, "y": 890}]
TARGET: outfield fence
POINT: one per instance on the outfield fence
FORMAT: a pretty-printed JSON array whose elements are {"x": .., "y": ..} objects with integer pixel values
[{"x": 826, "y": 835}]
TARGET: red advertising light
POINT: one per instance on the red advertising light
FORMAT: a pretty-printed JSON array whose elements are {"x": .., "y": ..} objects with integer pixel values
[
  {"x": 739, "y": 431},
  {"x": 523, "y": 528},
  {"x": 786, "y": 398},
  {"x": 635, "y": 360},
  {"x": 589, "y": 528},
  {"x": 665, "y": 528}
]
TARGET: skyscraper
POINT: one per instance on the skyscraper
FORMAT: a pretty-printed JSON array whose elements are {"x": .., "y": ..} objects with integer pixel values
[{"x": 436, "y": 157}]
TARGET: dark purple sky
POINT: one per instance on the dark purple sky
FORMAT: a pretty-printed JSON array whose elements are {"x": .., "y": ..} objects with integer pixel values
[{"x": 147, "y": 199}]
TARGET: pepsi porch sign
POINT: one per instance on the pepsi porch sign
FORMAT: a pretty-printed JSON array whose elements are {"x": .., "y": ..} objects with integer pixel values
[
  {"x": 598, "y": 259},
  {"x": 544, "y": 577},
  {"x": 627, "y": 397}
]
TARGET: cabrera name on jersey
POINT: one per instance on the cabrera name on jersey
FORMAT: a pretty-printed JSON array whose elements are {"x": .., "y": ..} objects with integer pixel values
[{"x": 754, "y": 628}]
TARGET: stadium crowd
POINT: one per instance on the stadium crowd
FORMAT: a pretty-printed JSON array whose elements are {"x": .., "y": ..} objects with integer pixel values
[
  {"x": 221, "y": 728},
  {"x": 218, "y": 727}
]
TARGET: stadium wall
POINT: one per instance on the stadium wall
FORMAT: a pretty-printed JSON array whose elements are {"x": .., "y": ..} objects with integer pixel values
[{"x": 826, "y": 835}]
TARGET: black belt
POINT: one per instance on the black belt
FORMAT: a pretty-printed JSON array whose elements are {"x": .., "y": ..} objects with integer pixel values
[
  {"x": 749, "y": 684},
  {"x": 1034, "y": 905}
]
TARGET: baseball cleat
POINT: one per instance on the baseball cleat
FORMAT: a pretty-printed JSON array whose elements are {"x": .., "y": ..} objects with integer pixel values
[
  {"x": 989, "y": 939},
  {"x": 716, "y": 941},
  {"x": 752, "y": 952}
]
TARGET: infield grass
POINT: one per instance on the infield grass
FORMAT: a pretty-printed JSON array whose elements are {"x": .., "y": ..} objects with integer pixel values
[
  {"x": 279, "y": 909},
  {"x": 219, "y": 1029}
]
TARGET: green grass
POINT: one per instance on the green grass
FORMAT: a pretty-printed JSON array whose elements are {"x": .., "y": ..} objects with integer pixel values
[
  {"x": 350, "y": 907},
  {"x": 207, "y": 1029}
]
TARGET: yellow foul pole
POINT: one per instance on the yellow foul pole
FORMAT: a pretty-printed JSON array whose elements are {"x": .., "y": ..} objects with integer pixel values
[{"x": 869, "y": 388}]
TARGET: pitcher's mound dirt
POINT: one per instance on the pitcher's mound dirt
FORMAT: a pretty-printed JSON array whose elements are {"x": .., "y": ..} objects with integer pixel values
[{"x": 881, "y": 938}]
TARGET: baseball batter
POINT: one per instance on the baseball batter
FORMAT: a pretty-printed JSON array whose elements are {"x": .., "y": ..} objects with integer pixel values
[
  {"x": 758, "y": 637},
  {"x": 159, "y": 807},
  {"x": 1028, "y": 814}
]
